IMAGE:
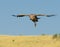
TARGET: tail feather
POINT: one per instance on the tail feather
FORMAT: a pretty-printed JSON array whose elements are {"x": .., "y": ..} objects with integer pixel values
[{"x": 35, "y": 24}]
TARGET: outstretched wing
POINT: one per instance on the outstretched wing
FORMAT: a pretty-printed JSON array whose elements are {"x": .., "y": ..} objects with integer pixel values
[
  {"x": 20, "y": 15},
  {"x": 44, "y": 15}
]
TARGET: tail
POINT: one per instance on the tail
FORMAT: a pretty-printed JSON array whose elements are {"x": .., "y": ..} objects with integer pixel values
[{"x": 35, "y": 24}]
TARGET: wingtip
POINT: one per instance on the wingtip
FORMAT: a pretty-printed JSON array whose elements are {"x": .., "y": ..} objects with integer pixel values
[
  {"x": 50, "y": 15},
  {"x": 13, "y": 15}
]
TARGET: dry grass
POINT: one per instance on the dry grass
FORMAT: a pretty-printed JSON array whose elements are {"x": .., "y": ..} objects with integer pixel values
[{"x": 29, "y": 41}]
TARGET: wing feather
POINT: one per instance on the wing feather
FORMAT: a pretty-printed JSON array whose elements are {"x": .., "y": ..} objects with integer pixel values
[
  {"x": 40, "y": 14},
  {"x": 20, "y": 15},
  {"x": 44, "y": 15}
]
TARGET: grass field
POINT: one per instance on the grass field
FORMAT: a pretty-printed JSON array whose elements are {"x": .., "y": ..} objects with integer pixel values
[{"x": 29, "y": 41}]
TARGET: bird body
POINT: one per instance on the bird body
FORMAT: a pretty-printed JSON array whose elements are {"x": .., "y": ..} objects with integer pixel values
[{"x": 33, "y": 17}]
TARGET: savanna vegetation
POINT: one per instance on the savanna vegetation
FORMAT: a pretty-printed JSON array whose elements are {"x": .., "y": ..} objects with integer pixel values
[{"x": 30, "y": 41}]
